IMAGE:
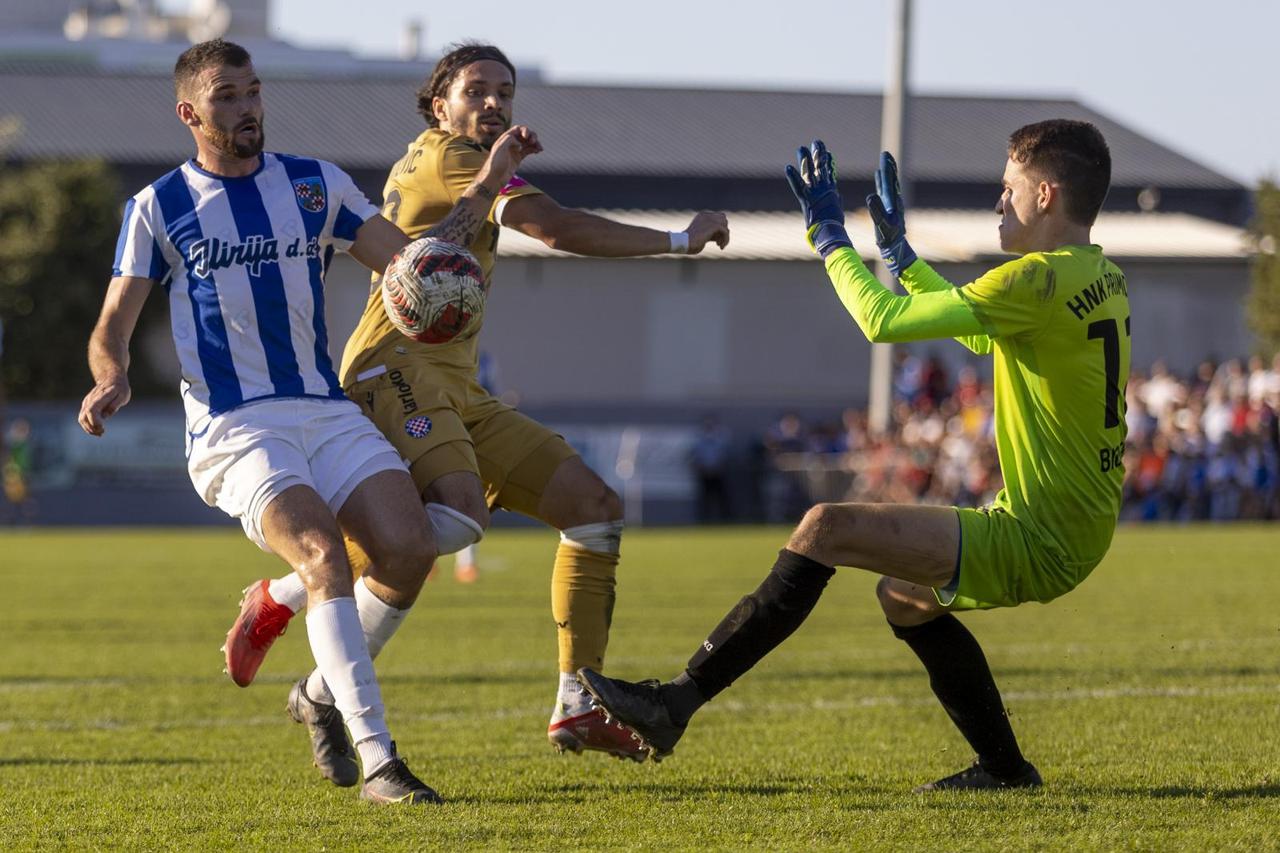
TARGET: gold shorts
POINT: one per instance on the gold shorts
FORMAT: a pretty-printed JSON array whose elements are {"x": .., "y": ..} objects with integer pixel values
[{"x": 441, "y": 421}]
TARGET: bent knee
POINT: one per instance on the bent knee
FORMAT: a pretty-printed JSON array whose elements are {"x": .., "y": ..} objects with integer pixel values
[
  {"x": 321, "y": 561},
  {"x": 815, "y": 529},
  {"x": 905, "y": 603},
  {"x": 405, "y": 549},
  {"x": 596, "y": 504}
]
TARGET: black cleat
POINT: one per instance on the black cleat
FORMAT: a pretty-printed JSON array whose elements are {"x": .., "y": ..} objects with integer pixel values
[
  {"x": 975, "y": 778},
  {"x": 330, "y": 747},
  {"x": 640, "y": 707},
  {"x": 394, "y": 782}
]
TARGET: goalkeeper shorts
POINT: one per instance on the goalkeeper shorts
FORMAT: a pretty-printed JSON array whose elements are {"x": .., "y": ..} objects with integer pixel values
[{"x": 1004, "y": 562}]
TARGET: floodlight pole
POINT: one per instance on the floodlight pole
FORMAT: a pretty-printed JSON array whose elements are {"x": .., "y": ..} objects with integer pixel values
[{"x": 893, "y": 133}]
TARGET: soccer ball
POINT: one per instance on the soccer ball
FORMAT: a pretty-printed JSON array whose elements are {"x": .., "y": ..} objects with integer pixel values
[{"x": 433, "y": 291}]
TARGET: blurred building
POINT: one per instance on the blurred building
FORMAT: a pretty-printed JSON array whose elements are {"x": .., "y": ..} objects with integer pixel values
[{"x": 745, "y": 332}]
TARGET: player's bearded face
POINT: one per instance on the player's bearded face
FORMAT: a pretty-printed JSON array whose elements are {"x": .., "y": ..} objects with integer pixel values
[
  {"x": 231, "y": 112},
  {"x": 478, "y": 105},
  {"x": 244, "y": 139}
]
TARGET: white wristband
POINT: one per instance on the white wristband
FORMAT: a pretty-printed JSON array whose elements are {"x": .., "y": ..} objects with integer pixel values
[{"x": 679, "y": 242}]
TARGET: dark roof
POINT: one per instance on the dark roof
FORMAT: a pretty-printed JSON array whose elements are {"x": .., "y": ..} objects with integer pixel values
[{"x": 627, "y": 134}]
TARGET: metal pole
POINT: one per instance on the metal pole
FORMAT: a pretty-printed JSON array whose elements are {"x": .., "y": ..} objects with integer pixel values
[{"x": 893, "y": 132}]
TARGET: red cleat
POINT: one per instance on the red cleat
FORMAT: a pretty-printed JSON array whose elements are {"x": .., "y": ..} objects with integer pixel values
[
  {"x": 260, "y": 622},
  {"x": 592, "y": 731}
]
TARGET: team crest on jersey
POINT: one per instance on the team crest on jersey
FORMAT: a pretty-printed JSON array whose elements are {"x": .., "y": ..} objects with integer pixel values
[
  {"x": 310, "y": 194},
  {"x": 418, "y": 427}
]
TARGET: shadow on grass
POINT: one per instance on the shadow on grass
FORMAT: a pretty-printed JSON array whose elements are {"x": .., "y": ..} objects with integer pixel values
[
  {"x": 456, "y": 679},
  {"x": 28, "y": 682},
  {"x": 1268, "y": 790},
  {"x": 100, "y": 762},
  {"x": 588, "y": 793},
  {"x": 904, "y": 673}
]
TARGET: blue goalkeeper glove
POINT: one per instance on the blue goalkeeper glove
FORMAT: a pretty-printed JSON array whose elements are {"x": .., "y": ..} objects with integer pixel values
[
  {"x": 815, "y": 187},
  {"x": 889, "y": 216}
]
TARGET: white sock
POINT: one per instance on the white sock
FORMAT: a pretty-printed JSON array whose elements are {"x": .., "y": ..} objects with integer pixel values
[
  {"x": 342, "y": 657},
  {"x": 571, "y": 699},
  {"x": 375, "y": 752},
  {"x": 466, "y": 557},
  {"x": 288, "y": 591},
  {"x": 378, "y": 621}
]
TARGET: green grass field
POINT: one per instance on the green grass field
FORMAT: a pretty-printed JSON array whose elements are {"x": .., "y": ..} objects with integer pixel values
[{"x": 1148, "y": 698}]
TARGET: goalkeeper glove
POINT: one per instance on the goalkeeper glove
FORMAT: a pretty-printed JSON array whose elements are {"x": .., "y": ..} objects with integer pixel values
[
  {"x": 814, "y": 185},
  {"x": 888, "y": 215}
]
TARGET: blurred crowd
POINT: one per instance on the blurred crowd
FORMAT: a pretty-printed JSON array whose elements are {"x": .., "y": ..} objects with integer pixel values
[{"x": 1203, "y": 446}]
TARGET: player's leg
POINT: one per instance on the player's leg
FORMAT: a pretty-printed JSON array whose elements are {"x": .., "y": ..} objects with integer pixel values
[
  {"x": 962, "y": 681},
  {"x": 920, "y": 542},
  {"x": 299, "y": 526},
  {"x": 381, "y": 517},
  {"x": 588, "y": 515},
  {"x": 529, "y": 469},
  {"x": 435, "y": 443}
]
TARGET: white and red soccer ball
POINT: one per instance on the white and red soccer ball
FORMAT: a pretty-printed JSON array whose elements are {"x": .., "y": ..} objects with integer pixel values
[{"x": 433, "y": 291}]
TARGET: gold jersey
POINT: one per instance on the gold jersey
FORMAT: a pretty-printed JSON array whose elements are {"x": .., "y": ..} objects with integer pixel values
[{"x": 420, "y": 191}]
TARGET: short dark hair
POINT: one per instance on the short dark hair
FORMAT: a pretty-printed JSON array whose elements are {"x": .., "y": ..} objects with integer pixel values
[
  {"x": 442, "y": 76},
  {"x": 204, "y": 55},
  {"x": 1072, "y": 153}
]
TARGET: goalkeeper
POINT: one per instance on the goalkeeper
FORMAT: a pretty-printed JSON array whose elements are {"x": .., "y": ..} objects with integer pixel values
[{"x": 1056, "y": 323}]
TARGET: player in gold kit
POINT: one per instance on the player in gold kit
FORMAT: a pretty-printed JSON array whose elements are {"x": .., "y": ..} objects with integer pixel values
[{"x": 468, "y": 452}]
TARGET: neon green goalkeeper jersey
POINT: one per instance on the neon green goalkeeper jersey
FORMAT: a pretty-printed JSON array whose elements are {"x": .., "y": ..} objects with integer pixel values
[{"x": 1057, "y": 325}]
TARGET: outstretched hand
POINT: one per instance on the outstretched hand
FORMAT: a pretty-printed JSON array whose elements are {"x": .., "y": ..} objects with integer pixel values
[
  {"x": 707, "y": 227},
  {"x": 889, "y": 216},
  {"x": 814, "y": 185}
]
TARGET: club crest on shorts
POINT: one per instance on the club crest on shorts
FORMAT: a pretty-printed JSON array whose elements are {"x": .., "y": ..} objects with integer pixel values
[
  {"x": 310, "y": 194},
  {"x": 418, "y": 426}
]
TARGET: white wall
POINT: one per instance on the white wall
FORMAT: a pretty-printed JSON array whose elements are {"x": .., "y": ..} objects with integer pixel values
[{"x": 663, "y": 331}]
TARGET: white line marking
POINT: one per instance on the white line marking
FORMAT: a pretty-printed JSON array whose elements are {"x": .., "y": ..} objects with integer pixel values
[{"x": 721, "y": 706}]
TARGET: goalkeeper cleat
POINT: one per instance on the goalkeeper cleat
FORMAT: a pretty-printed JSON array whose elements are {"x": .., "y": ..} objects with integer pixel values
[
  {"x": 394, "y": 782},
  {"x": 639, "y": 707},
  {"x": 331, "y": 749},
  {"x": 260, "y": 622},
  {"x": 975, "y": 778},
  {"x": 592, "y": 731}
]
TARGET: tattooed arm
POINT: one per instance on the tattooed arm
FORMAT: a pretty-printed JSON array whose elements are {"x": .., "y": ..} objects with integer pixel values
[{"x": 378, "y": 240}]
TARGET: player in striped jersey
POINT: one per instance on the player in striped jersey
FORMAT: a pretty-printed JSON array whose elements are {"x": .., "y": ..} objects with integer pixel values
[
  {"x": 241, "y": 240},
  {"x": 480, "y": 454}
]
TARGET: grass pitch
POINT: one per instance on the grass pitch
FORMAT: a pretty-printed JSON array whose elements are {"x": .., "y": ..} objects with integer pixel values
[{"x": 1148, "y": 698}]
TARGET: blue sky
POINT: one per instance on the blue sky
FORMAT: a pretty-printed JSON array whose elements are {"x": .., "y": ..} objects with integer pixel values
[{"x": 1199, "y": 77}]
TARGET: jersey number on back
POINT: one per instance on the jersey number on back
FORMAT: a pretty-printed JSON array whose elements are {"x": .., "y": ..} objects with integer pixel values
[{"x": 1108, "y": 331}]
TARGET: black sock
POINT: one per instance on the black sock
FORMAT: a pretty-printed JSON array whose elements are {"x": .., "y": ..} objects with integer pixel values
[
  {"x": 682, "y": 697},
  {"x": 759, "y": 622},
  {"x": 961, "y": 679}
]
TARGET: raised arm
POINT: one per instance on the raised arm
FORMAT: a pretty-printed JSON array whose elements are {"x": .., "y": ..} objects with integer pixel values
[
  {"x": 883, "y": 316},
  {"x": 109, "y": 351},
  {"x": 888, "y": 214},
  {"x": 378, "y": 240},
  {"x": 583, "y": 233},
  {"x": 920, "y": 278}
]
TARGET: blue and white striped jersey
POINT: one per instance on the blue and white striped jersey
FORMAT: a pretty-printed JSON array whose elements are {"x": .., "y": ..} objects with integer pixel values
[{"x": 243, "y": 261}]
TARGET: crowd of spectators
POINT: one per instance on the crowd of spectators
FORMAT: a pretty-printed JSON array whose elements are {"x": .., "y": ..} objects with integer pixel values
[{"x": 1204, "y": 446}]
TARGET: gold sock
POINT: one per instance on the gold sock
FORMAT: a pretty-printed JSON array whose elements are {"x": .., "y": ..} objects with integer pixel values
[{"x": 582, "y": 594}]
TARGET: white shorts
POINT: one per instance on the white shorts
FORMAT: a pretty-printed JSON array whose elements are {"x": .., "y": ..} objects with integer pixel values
[{"x": 248, "y": 456}]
